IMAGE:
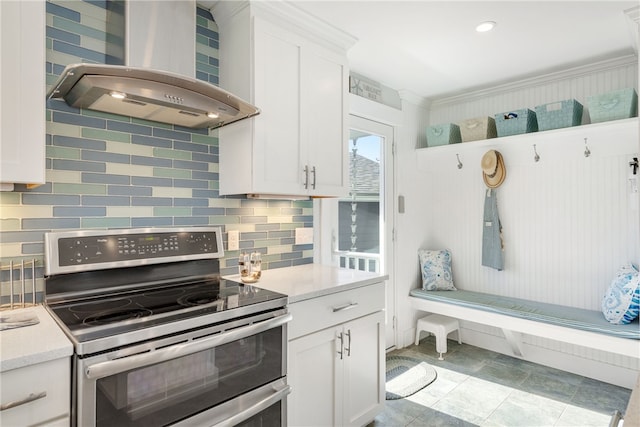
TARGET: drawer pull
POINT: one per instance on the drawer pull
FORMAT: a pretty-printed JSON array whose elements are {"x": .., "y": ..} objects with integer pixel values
[
  {"x": 30, "y": 398},
  {"x": 345, "y": 307}
]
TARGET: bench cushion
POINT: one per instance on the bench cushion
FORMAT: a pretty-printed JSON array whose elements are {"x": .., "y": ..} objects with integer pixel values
[{"x": 570, "y": 317}]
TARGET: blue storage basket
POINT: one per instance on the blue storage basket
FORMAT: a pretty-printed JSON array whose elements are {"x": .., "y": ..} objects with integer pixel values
[
  {"x": 516, "y": 122},
  {"x": 556, "y": 115},
  {"x": 616, "y": 105},
  {"x": 444, "y": 134}
]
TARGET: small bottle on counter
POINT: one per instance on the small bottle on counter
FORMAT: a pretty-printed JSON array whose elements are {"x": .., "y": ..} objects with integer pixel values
[
  {"x": 256, "y": 265},
  {"x": 243, "y": 265}
]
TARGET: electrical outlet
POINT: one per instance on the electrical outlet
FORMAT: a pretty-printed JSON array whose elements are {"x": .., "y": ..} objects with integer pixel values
[
  {"x": 304, "y": 236},
  {"x": 233, "y": 240}
]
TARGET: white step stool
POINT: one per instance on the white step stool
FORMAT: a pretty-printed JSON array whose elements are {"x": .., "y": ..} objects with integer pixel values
[{"x": 440, "y": 326}]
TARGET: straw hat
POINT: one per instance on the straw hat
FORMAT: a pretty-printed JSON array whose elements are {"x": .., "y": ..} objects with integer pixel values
[{"x": 493, "y": 170}]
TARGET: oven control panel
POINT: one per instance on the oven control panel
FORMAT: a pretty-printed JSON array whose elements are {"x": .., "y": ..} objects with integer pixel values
[{"x": 77, "y": 252}]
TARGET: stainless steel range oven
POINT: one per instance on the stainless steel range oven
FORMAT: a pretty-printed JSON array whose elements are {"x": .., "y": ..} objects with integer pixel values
[{"x": 160, "y": 339}]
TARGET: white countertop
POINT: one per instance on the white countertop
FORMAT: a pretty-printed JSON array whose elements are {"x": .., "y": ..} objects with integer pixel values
[
  {"x": 313, "y": 280},
  {"x": 29, "y": 345}
]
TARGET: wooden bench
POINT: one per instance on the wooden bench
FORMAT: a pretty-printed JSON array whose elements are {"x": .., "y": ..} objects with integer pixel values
[{"x": 514, "y": 316}]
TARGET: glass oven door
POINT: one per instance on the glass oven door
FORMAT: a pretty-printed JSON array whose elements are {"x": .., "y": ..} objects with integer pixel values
[{"x": 231, "y": 372}]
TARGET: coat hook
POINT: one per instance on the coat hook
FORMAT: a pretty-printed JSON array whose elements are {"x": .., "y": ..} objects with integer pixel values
[
  {"x": 634, "y": 165},
  {"x": 459, "y": 162},
  {"x": 587, "y": 152},
  {"x": 536, "y": 158}
]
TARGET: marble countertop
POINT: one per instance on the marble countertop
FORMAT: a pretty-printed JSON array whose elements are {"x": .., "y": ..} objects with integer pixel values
[
  {"x": 313, "y": 280},
  {"x": 32, "y": 344}
]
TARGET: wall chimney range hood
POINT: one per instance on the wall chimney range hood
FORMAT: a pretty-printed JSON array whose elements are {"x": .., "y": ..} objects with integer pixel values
[
  {"x": 158, "y": 81},
  {"x": 149, "y": 94}
]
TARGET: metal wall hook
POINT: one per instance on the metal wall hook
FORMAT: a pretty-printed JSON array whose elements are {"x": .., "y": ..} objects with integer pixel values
[
  {"x": 536, "y": 158},
  {"x": 459, "y": 162},
  {"x": 587, "y": 152}
]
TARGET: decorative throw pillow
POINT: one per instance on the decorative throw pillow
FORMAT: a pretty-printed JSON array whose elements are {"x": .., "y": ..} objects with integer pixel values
[
  {"x": 621, "y": 302},
  {"x": 435, "y": 267}
]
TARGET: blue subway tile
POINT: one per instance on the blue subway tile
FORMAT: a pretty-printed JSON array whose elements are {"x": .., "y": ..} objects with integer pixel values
[
  {"x": 190, "y": 183},
  {"x": 129, "y": 190},
  {"x": 185, "y": 164},
  {"x": 280, "y": 233},
  {"x": 214, "y": 61},
  {"x": 178, "y": 201},
  {"x": 103, "y": 178},
  {"x": 80, "y": 52},
  {"x": 190, "y": 220},
  {"x": 99, "y": 3},
  {"x": 150, "y": 161},
  {"x": 66, "y": 36},
  {"x": 253, "y": 219},
  {"x": 190, "y": 146},
  {"x": 64, "y": 12},
  {"x": 57, "y": 70},
  {"x": 151, "y": 201},
  {"x": 60, "y": 105},
  {"x": 239, "y": 211},
  {"x": 49, "y": 223},
  {"x": 253, "y": 235},
  {"x": 288, "y": 241},
  {"x": 76, "y": 165},
  {"x": 150, "y": 141},
  {"x": 116, "y": 7},
  {"x": 48, "y": 199},
  {"x": 202, "y": 76},
  {"x": 305, "y": 247},
  {"x": 70, "y": 141},
  {"x": 214, "y": 149},
  {"x": 210, "y": 194},
  {"x": 68, "y": 211},
  {"x": 209, "y": 176},
  {"x": 32, "y": 249},
  {"x": 100, "y": 156},
  {"x": 208, "y": 211},
  {"x": 154, "y": 182},
  {"x": 291, "y": 211},
  {"x": 128, "y": 127},
  {"x": 214, "y": 80},
  {"x": 302, "y": 261},
  {"x": 204, "y": 13},
  {"x": 78, "y": 120},
  {"x": 303, "y": 218},
  {"x": 207, "y": 32},
  {"x": 106, "y": 201},
  {"x": 171, "y": 134},
  {"x": 280, "y": 264},
  {"x": 209, "y": 158},
  {"x": 151, "y": 222},
  {"x": 214, "y": 44},
  {"x": 21, "y": 236}
]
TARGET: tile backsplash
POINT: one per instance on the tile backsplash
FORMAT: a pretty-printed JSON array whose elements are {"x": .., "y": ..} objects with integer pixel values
[{"x": 107, "y": 171}]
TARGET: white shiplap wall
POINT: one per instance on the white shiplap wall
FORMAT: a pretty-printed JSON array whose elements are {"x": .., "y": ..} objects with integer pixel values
[{"x": 569, "y": 221}]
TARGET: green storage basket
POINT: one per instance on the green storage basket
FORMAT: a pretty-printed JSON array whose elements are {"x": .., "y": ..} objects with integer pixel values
[
  {"x": 616, "y": 105},
  {"x": 516, "y": 122},
  {"x": 444, "y": 134},
  {"x": 556, "y": 115}
]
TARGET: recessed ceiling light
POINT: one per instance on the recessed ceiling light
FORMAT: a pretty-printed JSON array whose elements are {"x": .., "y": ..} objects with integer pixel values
[
  {"x": 118, "y": 95},
  {"x": 213, "y": 115},
  {"x": 485, "y": 26}
]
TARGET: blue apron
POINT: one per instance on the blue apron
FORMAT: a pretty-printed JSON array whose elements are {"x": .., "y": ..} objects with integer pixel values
[{"x": 492, "y": 248}]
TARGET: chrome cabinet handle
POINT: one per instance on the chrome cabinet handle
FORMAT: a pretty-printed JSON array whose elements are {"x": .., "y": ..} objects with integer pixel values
[
  {"x": 345, "y": 307},
  {"x": 30, "y": 398},
  {"x": 348, "y": 349},
  {"x": 341, "y": 338},
  {"x": 112, "y": 367},
  {"x": 313, "y": 172},
  {"x": 306, "y": 176}
]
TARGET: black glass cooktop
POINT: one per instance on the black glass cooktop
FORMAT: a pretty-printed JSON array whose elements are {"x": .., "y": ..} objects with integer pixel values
[{"x": 128, "y": 311}]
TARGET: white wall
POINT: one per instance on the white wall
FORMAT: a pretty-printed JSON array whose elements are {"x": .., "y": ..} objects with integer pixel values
[{"x": 567, "y": 219}]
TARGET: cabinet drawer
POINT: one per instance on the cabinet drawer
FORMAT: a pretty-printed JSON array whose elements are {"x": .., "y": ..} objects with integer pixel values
[
  {"x": 52, "y": 377},
  {"x": 318, "y": 313}
]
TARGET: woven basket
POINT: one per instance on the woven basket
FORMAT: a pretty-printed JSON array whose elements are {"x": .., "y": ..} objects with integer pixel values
[
  {"x": 516, "y": 122},
  {"x": 477, "y": 129},
  {"x": 558, "y": 115},
  {"x": 616, "y": 105},
  {"x": 444, "y": 134}
]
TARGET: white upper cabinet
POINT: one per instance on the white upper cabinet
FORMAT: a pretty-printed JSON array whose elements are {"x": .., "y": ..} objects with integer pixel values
[
  {"x": 22, "y": 93},
  {"x": 295, "y": 70}
]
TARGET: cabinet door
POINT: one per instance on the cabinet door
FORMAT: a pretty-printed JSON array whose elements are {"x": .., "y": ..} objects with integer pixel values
[
  {"x": 324, "y": 121},
  {"x": 363, "y": 369},
  {"x": 315, "y": 375},
  {"x": 277, "y": 149},
  {"x": 22, "y": 92}
]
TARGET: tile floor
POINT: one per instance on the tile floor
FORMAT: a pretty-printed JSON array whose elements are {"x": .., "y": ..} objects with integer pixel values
[{"x": 479, "y": 387}]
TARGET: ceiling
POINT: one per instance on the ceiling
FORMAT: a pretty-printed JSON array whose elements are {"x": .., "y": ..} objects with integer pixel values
[{"x": 431, "y": 49}]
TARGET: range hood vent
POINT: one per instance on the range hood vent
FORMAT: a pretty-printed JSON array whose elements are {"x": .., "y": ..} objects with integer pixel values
[{"x": 149, "y": 94}]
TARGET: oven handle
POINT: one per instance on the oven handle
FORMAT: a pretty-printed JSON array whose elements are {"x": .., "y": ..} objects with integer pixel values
[
  {"x": 112, "y": 367},
  {"x": 259, "y": 406}
]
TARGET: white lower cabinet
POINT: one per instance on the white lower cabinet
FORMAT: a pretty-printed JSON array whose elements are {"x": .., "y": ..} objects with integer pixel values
[
  {"x": 36, "y": 394},
  {"x": 337, "y": 372}
]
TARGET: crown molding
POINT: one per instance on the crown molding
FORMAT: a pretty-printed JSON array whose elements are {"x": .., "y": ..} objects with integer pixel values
[
  {"x": 415, "y": 99},
  {"x": 578, "y": 71}
]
